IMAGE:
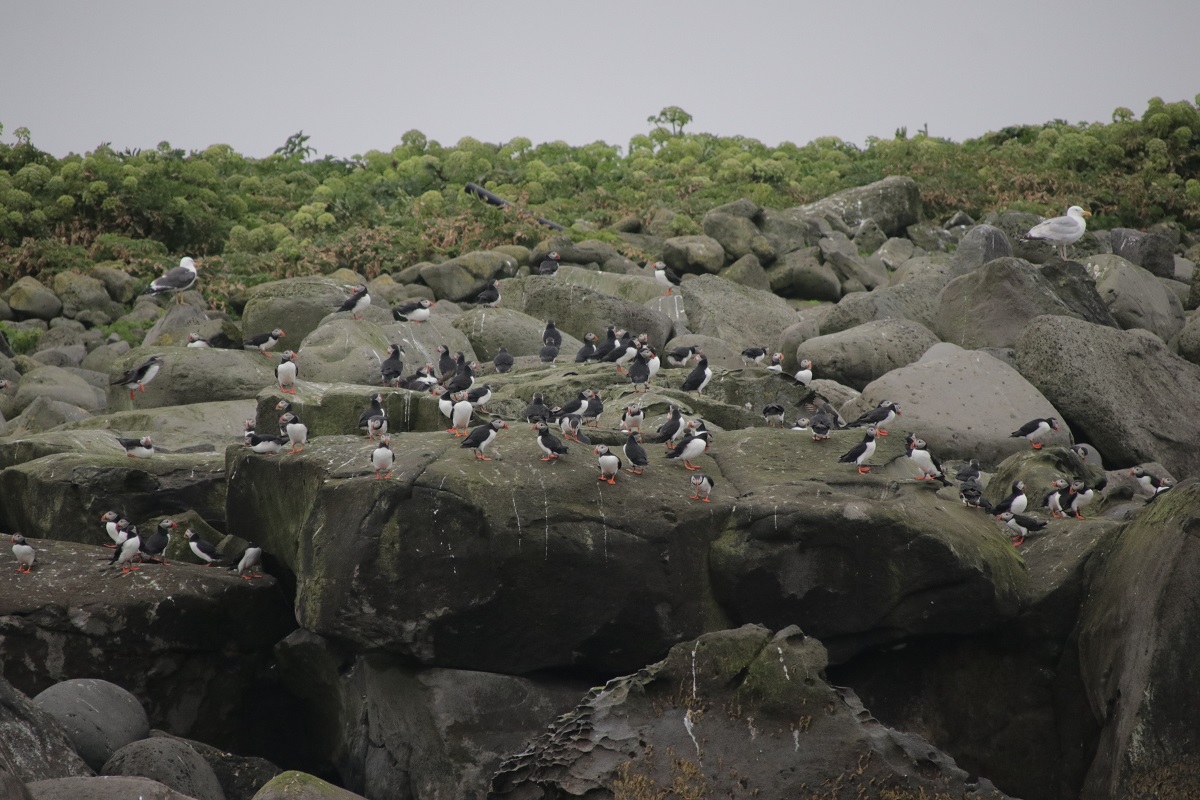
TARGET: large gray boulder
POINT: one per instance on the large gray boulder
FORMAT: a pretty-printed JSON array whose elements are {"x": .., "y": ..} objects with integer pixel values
[
  {"x": 742, "y": 316},
  {"x": 240, "y": 776},
  {"x": 176, "y": 323},
  {"x": 57, "y": 383},
  {"x": 83, "y": 293},
  {"x": 992, "y": 305},
  {"x": 738, "y": 234},
  {"x": 638, "y": 287},
  {"x": 296, "y": 305},
  {"x": 193, "y": 375},
  {"x": 103, "y": 787},
  {"x": 615, "y": 736},
  {"x": 893, "y": 203},
  {"x": 694, "y": 254},
  {"x": 1135, "y": 297},
  {"x": 294, "y": 785},
  {"x": 98, "y": 717},
  {"x": 33, "y": 746},
  {"x": 964, "y": 403},
  {"x": 801, "y": 274},
  {"x": 1153, "y": 252},
  {"x": 579, "y": 310},
  {"x": 29, "y": 299},
  {"x": 859, "y": 355},
  {"x": 1125, "y": 393},
  {"x": 748, "y": 271},
  {"x": 464, "y": 277},
  {"x": 170, "y": 762},
  {"x": 343, "y": 350},
  {"x": 489, "y": 329},
  {"x": 981, "y": 244}
]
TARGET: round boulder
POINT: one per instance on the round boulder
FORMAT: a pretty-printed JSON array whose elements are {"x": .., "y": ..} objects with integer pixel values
[
  {"x": 99, "y": 717},
  {"x": 859, "y": 355},
  {"x": 293, "y": 785},
  {"x": 489, "y": 329},
  {"x": 174, "y": 326},
  {"x": 297, "y": 305},
  {"x": 1135, "y": 297},
  {"x": 742, "y": 316},
  {"x": 343, "y": 350},
  {"x": 170, "y": 762},
  {"x": 56, "y": 383},
  {"x": 696, "y": 254},
  {"x": 193, "y": 375},
  {"x": 103, "y": 788},
  {"x": 30, "y": 299}
]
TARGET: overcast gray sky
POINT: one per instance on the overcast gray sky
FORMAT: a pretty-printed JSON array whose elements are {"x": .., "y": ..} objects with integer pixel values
[{"x": 356, "y": 75}]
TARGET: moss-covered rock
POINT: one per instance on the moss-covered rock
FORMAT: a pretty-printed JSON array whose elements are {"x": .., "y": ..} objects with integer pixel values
[
  {"x": 29, "y": 299},
  {"x": 297, "y": 305},
  {"x": 742, "y": 316},
  {"x": 193, "y": 375},
  {"x": 294, "y": 785},
  {"x": 579, "y": 310},
  {"x": 489, "y": 329}
]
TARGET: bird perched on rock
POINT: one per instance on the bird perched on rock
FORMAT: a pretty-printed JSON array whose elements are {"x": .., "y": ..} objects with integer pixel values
[
  {"x": 1150, "y": 483},
  {"x": 201, "y": 548},
  {"x": 776, "y": 363},
  {"x": 639, "y": 370},
  {"x": 176, "y": 280},
  {"x": 665, "y": 276},
  {"x": 113, "y": 528},
  {"x": 1060, "y": 231},
  {"x": 551, "y": 335},
  {"x": 127, "y": 549},
  {"x": 773, "y": 414},
  {"x": 139, "y": 376},
  {"x": 1034, "y": 430},
  {"x": 549, "y": 352},
  {"x": 358, "y": 300},
  {"x": 464, "y": 377},
  {"x": 755, "y": 355},
  {"x": 699, "y": 377},
  {"x": 251, "y": 558},
  {"x": 460, "y": 415},
  {"x": 971, "y": 494},
  {"x": 1060, "y": 488},
  {"x": 592, "y": 409},
  {"x": 635, "y": 454},
  {"x": 264, "y": 444},
  {"x": 503, "y": 362},
  {"x": 549, "y": 264},
  {"x": 702, "y": 487},
  {"x": 679, "y": 356},
  {"x": 632, "y": 417},
  {"x": 609, "y": 463},
  {"x": 295, "y": 430},
  {"x": 1016, "y": 501},
  {"x": 671, "y": 429},
  {"x": 447, "y": 364},
  {"x": 479, "y": 396},
  {"x": 373, "y": 411},
  {"x": 382, "y": 458},
  {"x": 264, "y": 341},
  {"x": 691, "y": 447},
  {"x": 424, "y": 379},
  {"x": 824, "y": 419},
  {"x": 970, "y": 472},
  {"x": 804, "y": 375},
  {"x": 1022, "y": 524},
  {"x": 392, "y": 367},
  {"x": 479, "y": 438},
  {"x": 877, "y": 417},
  {"x": 588, "y": 350},
  {"x": 548, "y": 442},
  {"x": 1081, "y": 496},
  {"x": 537, "y": 410},
  {"x": 154, "y": 546},
  {"x": 286, "y": 372},
  {"x": 931, "y": 468},
  {"x": 569, "y": 425},
  {"x": 137, "y": 448},
  {"x": 414, "y": 311},
  {"x": 196, "y": 341},
  {"x": 26, "y": 555},
  {"x": 490, "y": 296},
  {"x": 861, "y": 453}
]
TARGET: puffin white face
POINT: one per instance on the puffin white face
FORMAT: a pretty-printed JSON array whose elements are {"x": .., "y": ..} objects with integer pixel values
[
  {"x": 146, "y": 442},
  {"x": 600, "y": 450}
]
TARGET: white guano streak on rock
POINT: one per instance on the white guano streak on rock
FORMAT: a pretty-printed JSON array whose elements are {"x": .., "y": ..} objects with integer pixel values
[
  {"x": 781, "y": 662},
  {"x": 689, "y": 726}
]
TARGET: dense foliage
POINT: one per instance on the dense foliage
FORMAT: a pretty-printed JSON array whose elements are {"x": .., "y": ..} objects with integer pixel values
[{"x": 287, "y": 214}]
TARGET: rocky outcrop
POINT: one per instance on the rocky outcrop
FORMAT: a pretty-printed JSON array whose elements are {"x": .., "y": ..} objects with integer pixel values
[
  {"x": 170, "y": 762},
  {"x": 98, "y": 717},
  {"x": 294, "y": 785},
  {"x": 297, "y": 305},
  {"x": 1135, "y": 297},
  {"x": 33, "y": 746},
  {"x": 893, "y": 203},
  {"x": 859, "y": 355},
  {"x": 489, "y": 329},
  {"x": 742, "y": 316},
  {"x": 104, "y": 787},
  {"x": 736, "y": 712},
  {"x": 193, "y": 375},
  {"x": 579, "y": 310}
]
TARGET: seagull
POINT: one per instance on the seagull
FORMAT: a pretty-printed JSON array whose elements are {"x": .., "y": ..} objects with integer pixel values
[
  {"x": 176, "y": 280},
  {"x": 1060, "y": 231}
]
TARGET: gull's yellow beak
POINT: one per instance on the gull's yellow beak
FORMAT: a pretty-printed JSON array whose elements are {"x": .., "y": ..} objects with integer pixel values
[{"x": 1087, "y": 213}]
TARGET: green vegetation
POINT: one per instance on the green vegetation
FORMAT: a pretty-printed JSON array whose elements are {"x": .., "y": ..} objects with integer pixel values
[
  {"x": 23, "y": 341},
  {"x": 252, "y": 220}
]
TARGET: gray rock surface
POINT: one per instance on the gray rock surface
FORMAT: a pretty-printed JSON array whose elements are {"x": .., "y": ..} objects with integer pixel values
[
  {"x": 893, "y": 203},
  {"x": 103, "y": 788},
  {"x": 194, "y": 375},
  {"x": 57, "y": 383},
  {"x": 748, "y": 271},
  {"x": 859, "y": 355},
  {"x": 742, "y": 316},
  {"x": 489, "y": 329},
  {"x": 29, "y": 299},
  {"x": 695, "y": 254},
  {"x": 980, "y": 245},
  {"x": 1153, "y": 252},
  {"x": 171, "y": 762},
  {"x": 240, "y": 776},
  {"x": 98, "y": 717},
  {"x": 293, "y": 785},
  {"x": 297, "y": 305},
  {"x": 33, "y": 747},
  {"x": 1135, "y": 297},
  {"x": 801, "y": 274},
  {"x": 578, "y": 310}
]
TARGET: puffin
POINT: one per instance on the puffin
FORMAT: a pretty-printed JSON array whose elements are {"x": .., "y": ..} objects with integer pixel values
[
  {"x": 1150, "y": 484},
  {"x": 679, "y": 356},
  {"x": 569, "y": 425},
  {"x": 479, "y": 438},
  {"x": 286, "y": 372},
  {"x": 201, "y": 549},
  {"x": 382, "y": 458},
  {"x": 755, "y": 354},
  {"x": 196, "y": 341},
  {"x": 26, "y": 555},
  {"x": 699, "y": 377},
  {"x": 154, "y": 546},
  {"x": 606, "y": 347},
  {"x": 591, "y": 411},
  {"x": 1052, "y": 502},
  {"x": 548, "y": 442},
  {"x": 460, "y": 415},
  {"x": 251, "y": 558},
  {"x": 537, "y": 410},
  {"x": 1034, "y": 430},
  {"x": 422, "y": 380},
  {"x": 113, "y": 528},
  {"x": 416, "y": 311},
  {"x": 503, "y": 362},
  {"x": 639, "y": 370},
  {"x": 609, "y": 463},
  {"x": 931, "y": 468},
  {"x": 773, "y": 414},
  {"x": 376, "y": 426},
  {"x": 971, "y": 494},
  {"x": 635, "y": 454},
  {"x": 372, "y": 411},
  {"x": 632, "y": 417},
  {"x": 139, "y": 376},
  {"x": 463, "y": 379},
  {"x": 265, "y": 444},
  {"x": 552, "y": 335},
  {"x": 589, "y": 348},
  {"x": 549, "y": 264},
  {"x": 1081, "y": 495},
  {"x": 861, "y": 453},
  {"x": 479, "y": 396},
  {"x": 576, "y": 405},
  {"x": 490, "y": 296},
  {"x": 1016, "y": 502},
  {"x": 970, "y": 472},
  {"x": 877, "y": 417},
  {"x": 392, "y": 367},
  {"x": 296, "y": 431},
  {"x": 824, "y": 419},
  {"x": 137, "y": 448},
  {"x": 669, "y": 430},
  {"x": 549, "y": 351},
  {"x": 702, "y": 486},
  {"x": 178, "y": 279},
  {"x": 654, "y": 364},
  {"x": 776, "y": 364},
  {"x": 801, "y": 424},
  {"x": 264, "y": 341},
  {"x": 447, "y": 365},
  {"x": 804, "y": 375},
  {"x": 665, "y": 276},
  {"x": 1060, "y": 231},
  {"x": 127, "y": 549},
  {"x": 1022, "y": 524},
  {"x": 358, "y": 300},
  {"x": 690, "y": 447},
  {"x": 283, "y": 406}
]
